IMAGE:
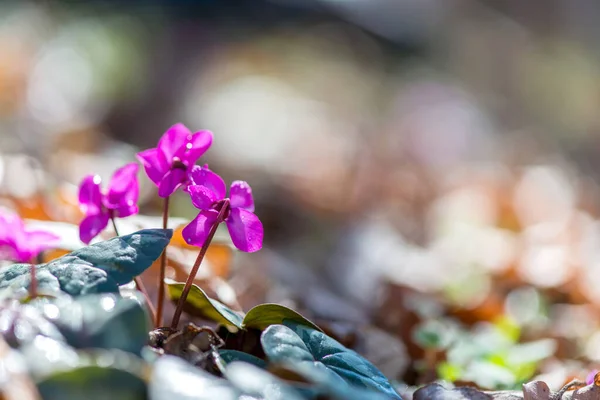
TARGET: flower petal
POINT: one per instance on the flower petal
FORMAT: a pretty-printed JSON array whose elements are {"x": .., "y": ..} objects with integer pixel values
[
  {"x": 245, "y": 229},
  {"x": 90, "y": 198},
  {"x": 202, "y": 197},
  {"x": 35, "y": 241},
  {"x": 171, "y": 181},
  {"x": 240, "y": 194},
  {"x": 196, "y": 147},
  {"x": 195, "y": 232},
  {"x": 126, "y": 210},
  {"x": 155, "y": 164},
  {"x": 123, "y": 189},
  {"x": 205, "y": 177},
  {"x": 173, "y": 141},
  {"x": 91, "y": 226}
]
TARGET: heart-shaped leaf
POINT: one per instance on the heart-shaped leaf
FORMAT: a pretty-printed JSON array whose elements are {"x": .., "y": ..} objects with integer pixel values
[
  {"x": 78, "y": 277},
  {"x": 63, "y": 373},
  {"x": 16, "y": 279},
  {"x": 230, "y": 356},
  {"x": 100, "y": 321},
  {"x": 296, "y": 343},
  {"x": 204, "y": 306},
  {"x": 21, "y": 323},
  {"x": 264, "y": 315},
  {"x": 99, "y": 268},
  {"x": 258, "y": 317},
  {"x": 173, "y": 378},
  {"x": 125, "y": 257}
]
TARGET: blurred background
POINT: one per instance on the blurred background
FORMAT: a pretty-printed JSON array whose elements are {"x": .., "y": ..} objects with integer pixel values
[{"x": 419, "y": 165}]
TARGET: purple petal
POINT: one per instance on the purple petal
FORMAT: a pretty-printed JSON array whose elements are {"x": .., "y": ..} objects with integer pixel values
[
  {"x": 205, "y": 177},
  {"x": 196, "y": 147},
  {"x": 245, "y": 229},
  {"x": 195, "y": 232},
  {"x": 590, "y": 378},
  {"x": 171, "y": 181},
  {"x": 240, "y": 194},
  {"x": 123, "y": 189},
  {"x": 35, "y": 241},
  {"x": 91, "y": 226},
  {"x": 90, "y": 198},
  {"x": 155, "y": 164},
  {"x": 173, "y": 142},
  {"x": 126, "y": 210},
  {"x": 202, "y": 197}
]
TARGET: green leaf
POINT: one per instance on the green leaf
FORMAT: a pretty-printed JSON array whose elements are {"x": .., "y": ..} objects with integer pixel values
[
  {"x": 78, "y": 277},
  {"x": 65, "y": 374},
  {"x": 259, "y": 317},
  {"x": 21, "y": 323},
  {"x": 329, "y": 384},
  {"x": 93, "y": 383},
  {"x": 99, "y": 268},
  {"x": 16, "y": 278},
  {"x": 259, "y": 383},
  {"x": 204, "y": 306},
  {"x": 230, "y": 356},
  {"x": 125, "y": 257},
  {"x": 173, "y": 378},
  {"x": 296, "y": 343},
  {"x": 264, "y": 315},
  {"x": 105, "y": 321}
]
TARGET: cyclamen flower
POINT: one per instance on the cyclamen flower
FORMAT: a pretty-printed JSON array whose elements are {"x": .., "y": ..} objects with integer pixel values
[
  {"x": 119, "y": 201},
  {"x": 168, "y": 164},
  {"x": 20, "y": 244},
  {"x": 207, "y": 191}
]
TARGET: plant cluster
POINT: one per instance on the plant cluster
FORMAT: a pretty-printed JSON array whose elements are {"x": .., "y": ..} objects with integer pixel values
[{"x": 75, "y": 328}]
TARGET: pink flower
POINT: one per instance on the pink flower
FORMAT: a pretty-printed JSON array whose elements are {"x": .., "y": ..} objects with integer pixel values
[
  {"x": 590, "y": 378},
  {"x": 178, "y": 149},
  {"x": 207, "y": 191},
  {"x": 120, "y": 200},
  {"x": 19, "y": 244}
]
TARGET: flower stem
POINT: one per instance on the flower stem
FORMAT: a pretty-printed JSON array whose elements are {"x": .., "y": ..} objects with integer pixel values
[
  {"x": 163, "y": 268},
  {"x": 194, "y": 271},
  {"x": 33, "y": 284},
  {"x": 138, "y": 281}
]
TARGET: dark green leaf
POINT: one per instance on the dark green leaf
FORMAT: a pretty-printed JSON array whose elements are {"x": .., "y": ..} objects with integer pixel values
[
  {"x": 268, "y": 314},
  {"x": 65, "y": 374},
  {"x": 17, "y": 277},
  {"x": 331, "y": 384},
  {"x": 125, "y": 257},
  {"x": 204, "y": 306},
  {"x": 21, "y": 323},
  {"x": 234, "y": 355},
  {"x": 296, "y": 343},
  {"x": 175, "y": 379},
  {"x": 100, "y": 321},
  {"x": 78, "y": 277}
]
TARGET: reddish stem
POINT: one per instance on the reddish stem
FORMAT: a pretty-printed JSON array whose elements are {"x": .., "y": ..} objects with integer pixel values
[
  {"x": 138, "y": 280},
  {"x": 190, "y": 280},
  {"x": 163, "y": 268},
  {"x": 33, "y": 284}
]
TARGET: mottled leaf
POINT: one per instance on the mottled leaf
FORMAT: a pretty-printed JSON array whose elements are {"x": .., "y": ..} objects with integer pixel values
[
  {"x": 292, "y": 342},
  {"x": 100, "y": 321},
  {"x": 125, "y": 257}
]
